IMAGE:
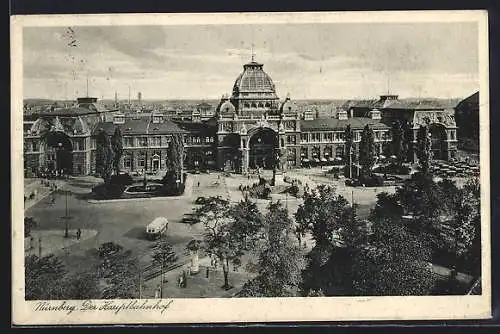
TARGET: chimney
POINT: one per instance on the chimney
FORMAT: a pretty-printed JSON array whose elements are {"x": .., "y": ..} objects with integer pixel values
[
  {"x": 308, "y": 115},
  {"x": 118, "y": 119},
  {"x": 375, "y": 114},
  {"x": 342, "y": 114}
]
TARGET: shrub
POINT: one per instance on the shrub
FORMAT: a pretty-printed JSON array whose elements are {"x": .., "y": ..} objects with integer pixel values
[
  {"x": 123, "y": 179},
  {"x": 372, "y": 181},
  {"x": 108, "y": 190},
  {"x": 109, "y": 248},
  {"x": 260, "y": 191},
  {"x": 262, "y": 181},
  {"x": 293, "y": 190}
]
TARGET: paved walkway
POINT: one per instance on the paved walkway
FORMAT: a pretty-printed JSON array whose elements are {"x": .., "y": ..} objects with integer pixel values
[
  {"x": 40, "y": 191},
  {"x": 53, "y": 241}
]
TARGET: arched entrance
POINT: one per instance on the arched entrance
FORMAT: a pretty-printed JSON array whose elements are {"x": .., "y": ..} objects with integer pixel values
[
  {"x": 59, "y": 154},
  {"x": 262, "y": 145},
  {"x": 438, "y": 141},
  {"x": 155, "y": 162}
]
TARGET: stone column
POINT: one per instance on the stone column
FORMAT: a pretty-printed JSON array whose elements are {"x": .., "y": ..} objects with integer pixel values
[
  {"x": 220, "y": 158},
  {"x": 244, "y": 160}
]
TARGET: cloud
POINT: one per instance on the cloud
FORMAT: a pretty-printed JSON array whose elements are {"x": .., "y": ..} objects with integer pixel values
[{"x": 306, "y": 60}]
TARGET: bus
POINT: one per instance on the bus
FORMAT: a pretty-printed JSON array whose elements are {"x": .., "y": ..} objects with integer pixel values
[{"x": 156, "y": 228}]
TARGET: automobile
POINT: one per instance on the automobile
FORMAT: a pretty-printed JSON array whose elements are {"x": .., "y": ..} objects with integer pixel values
[
  {"x": 190, "y": 218},
  {"x": 352, "y": 182},
  {"x": 201, "y": 200},
  {"x": 156, "y": 228}
]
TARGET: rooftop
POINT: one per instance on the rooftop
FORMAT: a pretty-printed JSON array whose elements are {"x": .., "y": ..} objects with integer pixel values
[
  {"x": 141, "y": 125},
  {"x": 359, "y": 123}
]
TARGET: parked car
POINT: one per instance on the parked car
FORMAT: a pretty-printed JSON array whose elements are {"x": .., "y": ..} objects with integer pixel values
[
  {"x": 190, "y": 218},
  {"x": 201, "y": 200}
]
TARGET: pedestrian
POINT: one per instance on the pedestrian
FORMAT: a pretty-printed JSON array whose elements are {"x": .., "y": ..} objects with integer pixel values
[
  {"x": 208, "y": 271},
  {"x": 78, "y": 234},
  {"x": 198, "y": 184},
  {"x": 157, "y": 292},
  {"x": 179, "y": 281}
]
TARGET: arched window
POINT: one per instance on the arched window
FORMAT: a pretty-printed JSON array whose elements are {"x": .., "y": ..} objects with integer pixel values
[
  {"x": 254, "y": 105},
  {"x": 261, "y": 105},
  {"x": 268, "y": 105},
  {"x": 247, "y": 105}
]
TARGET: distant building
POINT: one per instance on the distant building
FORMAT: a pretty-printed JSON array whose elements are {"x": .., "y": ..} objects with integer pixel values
[
  {"x": 439, "y": 120},
  {"x": 467, "y": 118},
  {"x": 251, "y": 128}
]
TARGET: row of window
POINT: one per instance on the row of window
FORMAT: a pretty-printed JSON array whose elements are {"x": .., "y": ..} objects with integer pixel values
[
  {"x": 128, "y": 160},
  {"x": 339, "y": 136},
  {"x": 257, "y": 105}
]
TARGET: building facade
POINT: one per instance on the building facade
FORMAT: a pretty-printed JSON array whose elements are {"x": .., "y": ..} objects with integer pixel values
[{"x": 252, "y": 128}]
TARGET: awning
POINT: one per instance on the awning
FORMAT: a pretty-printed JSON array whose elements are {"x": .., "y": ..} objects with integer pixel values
[
  {"x": 338, "y": 158},
  {"x": 326, "y": 154},
  {"x": 305, "y": 160},
  {"x": 323, "y": 160},
  {"x": 381, "y": 156},
  {"x": 316, "y": 160},
  {"x": 393, "y": 157},
  {"x": 331, "y": 159}
]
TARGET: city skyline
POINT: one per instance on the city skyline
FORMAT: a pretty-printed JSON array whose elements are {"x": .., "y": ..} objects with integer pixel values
[{"x": 308, "y": 61}]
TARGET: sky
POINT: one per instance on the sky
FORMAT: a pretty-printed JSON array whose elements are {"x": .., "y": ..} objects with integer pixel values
[{"x": 308, "y": 61}]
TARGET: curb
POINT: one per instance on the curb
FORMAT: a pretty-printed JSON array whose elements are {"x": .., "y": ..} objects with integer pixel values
[
  {"x": 139, "y": 199},
  {"x": 187, "y": 193}
]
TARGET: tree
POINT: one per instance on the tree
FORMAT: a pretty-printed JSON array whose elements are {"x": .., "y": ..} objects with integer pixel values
[
  {"x": 117, "y": 146},
  {"x": 248, "y": 221},
  {"x": 349, "y": 149},
  {"x": 29, "y": 224},
  {"x": 81, "y": 286},
  {"x": 387, "y": 206},
  {"x": 464, "y": 229},
  {"x": 367, "y": 156},
  {"x": 175, "y": 159},
  {"x": 280, "y": 262},
  {"x": 218, "y": 239},
  {"x": 393, "y": 262},
  {"x": 423, "y": 148},
  {"x": 42, "y": 277},
  {"x": 398, "y": 139},
  {"x": 104, "y": 156},
  {"x": 322, "y": 213},
  {"x": 124, "y": 279},
  {"x": 164, "y": 254},
  {"x": 325, "y": 215}
]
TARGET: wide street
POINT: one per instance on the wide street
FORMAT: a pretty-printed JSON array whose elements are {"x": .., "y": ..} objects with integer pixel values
[{"x": 123, "y": 221}]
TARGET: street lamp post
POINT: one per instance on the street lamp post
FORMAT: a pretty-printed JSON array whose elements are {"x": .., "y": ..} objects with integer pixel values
[{"x": 66, "y": 216}]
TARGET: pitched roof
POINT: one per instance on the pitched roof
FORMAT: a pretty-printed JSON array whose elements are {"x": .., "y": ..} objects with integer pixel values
[
  {"x": 322, "y": 124},
  {"x": 471, "y": 102},
  {"x": 140, "y": 125},
  {"x": 394, "y": 104}
]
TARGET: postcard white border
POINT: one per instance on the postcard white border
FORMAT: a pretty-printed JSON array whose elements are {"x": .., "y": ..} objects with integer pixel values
[{"x": 214, "y": 310}]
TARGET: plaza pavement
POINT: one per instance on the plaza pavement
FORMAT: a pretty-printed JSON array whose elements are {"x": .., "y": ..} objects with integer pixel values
[
  {"x": 124, "y": 222},
  {"x": 41, "y": 191},
  {"x": 53, "y": 242}
]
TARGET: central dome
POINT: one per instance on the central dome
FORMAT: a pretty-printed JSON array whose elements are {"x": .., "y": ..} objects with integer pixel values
[{"x": 253, "y": 80}]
